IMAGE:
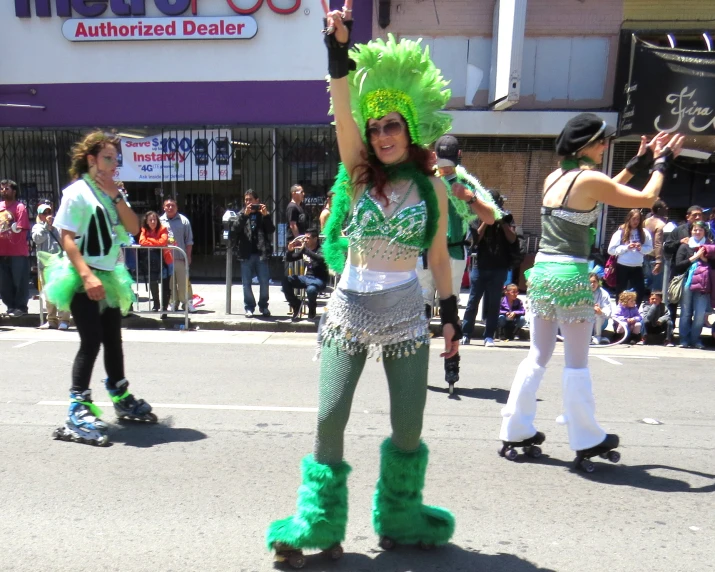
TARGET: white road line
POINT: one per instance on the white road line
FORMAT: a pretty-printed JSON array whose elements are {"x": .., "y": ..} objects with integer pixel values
[
  {"x": 196, "y": 406},
  {"x": 25, "y": 344},
  {"x": 609, "y": 360}
]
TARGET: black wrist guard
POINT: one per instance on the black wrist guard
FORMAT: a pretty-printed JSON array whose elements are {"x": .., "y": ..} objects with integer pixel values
[
  {"x": 339, "y": 64},
  {"x": 448, "y": 315},
  {"x": 641, "y": 163},
  {"x": 663, "y": 163}
]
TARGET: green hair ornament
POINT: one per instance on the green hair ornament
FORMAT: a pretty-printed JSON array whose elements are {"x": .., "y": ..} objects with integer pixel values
[
  {"x": 335, "y": 245},
  {"x": 399, "y": 76}
]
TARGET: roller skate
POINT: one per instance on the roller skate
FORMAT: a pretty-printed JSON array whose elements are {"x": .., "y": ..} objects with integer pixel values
[
  {"x": 398, "y": 515},
  {"x": 451, "y": 371},
  {"x": 126, "y": 406},
  {"x": 83, "y": 424},
  {"x": 530, "y": 447},
  {"x": 605, "y": 450},
  {"x": 320, "y": 519}
]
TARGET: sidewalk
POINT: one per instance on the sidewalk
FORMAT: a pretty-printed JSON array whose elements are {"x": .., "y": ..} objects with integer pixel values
[{"x": 213, "y": 316}]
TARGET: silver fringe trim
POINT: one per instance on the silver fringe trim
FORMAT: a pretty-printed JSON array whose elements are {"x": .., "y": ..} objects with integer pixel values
[{"x": 389, "y": 323}]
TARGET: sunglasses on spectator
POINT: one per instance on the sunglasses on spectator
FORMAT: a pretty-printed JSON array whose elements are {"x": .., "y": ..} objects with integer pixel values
[{"x": 390, "y": 129}]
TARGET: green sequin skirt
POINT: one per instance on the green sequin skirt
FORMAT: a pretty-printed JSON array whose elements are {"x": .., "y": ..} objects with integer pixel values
[
  {"x": 390, "y": 323},
  {"x": 560, "y": 291},
  {"x": 61, "y": 282}
]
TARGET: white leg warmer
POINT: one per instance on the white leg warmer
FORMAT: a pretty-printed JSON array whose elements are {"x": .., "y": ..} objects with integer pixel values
[
  {"x": 520, "y": 409},
  {"x": 580, "y": 410}
]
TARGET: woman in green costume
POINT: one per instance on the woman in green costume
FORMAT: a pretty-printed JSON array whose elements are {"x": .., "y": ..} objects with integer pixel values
[
  {"x": 86, "y": 279},
  {"x": 388, "y": 206},
  {"x": 558, "y": 290}
]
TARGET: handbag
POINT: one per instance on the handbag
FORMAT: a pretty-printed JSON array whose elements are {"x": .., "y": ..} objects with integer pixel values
[
  {"x": 609, "y": 272},
  {"x": 675, "y": 288}
]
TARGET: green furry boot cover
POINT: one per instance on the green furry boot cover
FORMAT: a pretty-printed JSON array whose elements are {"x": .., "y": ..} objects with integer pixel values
[
  {"x": 398, "y": 512},
  {"x": 322, "y": 509}
]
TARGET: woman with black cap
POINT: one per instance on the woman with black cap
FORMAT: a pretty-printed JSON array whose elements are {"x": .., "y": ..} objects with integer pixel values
[{"x": 558, "y": 288}]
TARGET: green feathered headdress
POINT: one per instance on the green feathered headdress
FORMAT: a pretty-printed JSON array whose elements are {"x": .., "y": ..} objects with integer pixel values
[{"x": 399, "y": 76}]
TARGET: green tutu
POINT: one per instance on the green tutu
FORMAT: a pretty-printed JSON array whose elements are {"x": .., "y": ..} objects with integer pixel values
[
  {"x": 560, "y": 291},
  {"x": 61, "y": 282}
]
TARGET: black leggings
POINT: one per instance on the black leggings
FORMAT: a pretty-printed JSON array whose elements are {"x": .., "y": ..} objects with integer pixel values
[
  {"x": 96, "y": 329},
  {"x": 632, "y": 275}
]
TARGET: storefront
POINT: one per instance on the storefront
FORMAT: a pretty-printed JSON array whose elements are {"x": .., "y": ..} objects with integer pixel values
[{"x": 210, "y": 99}]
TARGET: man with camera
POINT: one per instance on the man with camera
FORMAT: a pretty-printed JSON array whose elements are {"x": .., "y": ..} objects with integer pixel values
[
  {"x": 253, "y": 230},
  {"x": 494, "y": 245},
  {"x": 314, "y": 278}
]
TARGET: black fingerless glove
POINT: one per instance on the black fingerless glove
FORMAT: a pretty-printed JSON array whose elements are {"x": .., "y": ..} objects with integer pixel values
[
  {"x": 448, "y": 314},
  {"x": 663, "y": 163},
  {"x": 339, "y": 64},
  {"x": 641, "y": 163}
]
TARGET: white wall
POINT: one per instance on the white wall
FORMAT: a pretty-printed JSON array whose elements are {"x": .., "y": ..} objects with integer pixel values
[{"x": 286, "y": 47}]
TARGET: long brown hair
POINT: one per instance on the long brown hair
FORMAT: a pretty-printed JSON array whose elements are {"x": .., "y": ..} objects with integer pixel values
[
  {"x": 92, "y": 144},
  {"x": 626, "y": 227},
  {"x": 372, "y": 171},
  {"x": 145, "y": 221}
]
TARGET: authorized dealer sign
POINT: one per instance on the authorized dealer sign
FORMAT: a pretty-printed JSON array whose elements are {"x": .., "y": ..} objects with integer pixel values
[{"x": 196, "y": 28}]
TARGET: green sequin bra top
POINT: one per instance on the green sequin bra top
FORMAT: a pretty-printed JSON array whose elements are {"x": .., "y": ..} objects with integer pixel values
[{"x": 398, "y": 236}]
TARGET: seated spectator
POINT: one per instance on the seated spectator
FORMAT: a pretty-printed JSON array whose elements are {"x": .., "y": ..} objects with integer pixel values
[
  {"x": 656, "y": 321},
  {"x": 47, "y": 239},
  {"x": 511, "y": 314},
  {"x": 316, "y": 272},
  {"x": 161, "y": 264},
  {"x": 602, "y": 307},
  {"x": 627, "y": 318}
]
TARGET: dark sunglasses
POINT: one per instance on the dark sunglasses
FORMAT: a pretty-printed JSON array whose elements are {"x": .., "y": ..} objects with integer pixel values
[{"x": 390, "y": 129}]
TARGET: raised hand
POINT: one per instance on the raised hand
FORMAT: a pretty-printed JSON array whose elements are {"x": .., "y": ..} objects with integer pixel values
[
  {"x": 675, "y": 145},
  {"x": 335, "y": 21}
]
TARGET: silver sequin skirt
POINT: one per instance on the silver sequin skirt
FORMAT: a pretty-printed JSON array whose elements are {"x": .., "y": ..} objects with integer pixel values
[{"x": 391, "y": 322}]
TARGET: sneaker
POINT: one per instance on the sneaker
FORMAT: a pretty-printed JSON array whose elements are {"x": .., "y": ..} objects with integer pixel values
[
  {"x": 641, "y": 343},
  {"x": 466, "y": 341},
  {"x": 699, "y": 346},
  {"x": 16, "y": 313},
  {"x": 604, "y": 341},
  {"x": 311, "y": 314},
  {"x": 669, "y": 345},
  {"x": 192, "y": 310},
  {"x": 683, "y": 346},
  {"x": 45, "y": 326},
  {"x": 63, "y": 326},
  {"x": 249, "y": 313},
  {"x": 488, "y": 342},
  {"x": 594, "y": 341},
  {"x": 266, "y": 313}
]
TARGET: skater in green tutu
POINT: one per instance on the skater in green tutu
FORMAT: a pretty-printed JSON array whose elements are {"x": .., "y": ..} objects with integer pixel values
[
  {"x": 86, "y": 279},
  {"x": 388, "y": 206}
]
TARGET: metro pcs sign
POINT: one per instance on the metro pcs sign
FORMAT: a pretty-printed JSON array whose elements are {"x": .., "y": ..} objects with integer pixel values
[{"x": 96, "y": 8}]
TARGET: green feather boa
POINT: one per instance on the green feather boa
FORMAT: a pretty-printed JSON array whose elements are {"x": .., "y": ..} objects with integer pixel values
[
  {"x": 473, "y": 184},
  {"x": 335, "y": 245}
]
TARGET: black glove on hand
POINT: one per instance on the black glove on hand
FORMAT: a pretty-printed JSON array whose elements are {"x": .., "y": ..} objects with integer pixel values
[
  {"x": 448, "y": 314},
  {"x": 339, "y": 64},
  {"x": 508, "y": 218},
  {"x": 663, "y": 162},
  {"x": 641, "y": 163}
]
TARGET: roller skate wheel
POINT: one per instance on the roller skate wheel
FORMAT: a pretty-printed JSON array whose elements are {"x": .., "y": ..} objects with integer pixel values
[
  {"x": 511, "y": 454},
  {"x": 425, "y": 546},
  {"x": 451, "y": 389},
  {"x": 587, "y": 466},
  {"x": 387, "y": 543},
  {"x": 57, "y": 434},
  {"x": 336, "y": 552},
  {"x": 534, "y": 452},
  {"x": 296, "y": 560},
  {"x": 614, "y": 456}
]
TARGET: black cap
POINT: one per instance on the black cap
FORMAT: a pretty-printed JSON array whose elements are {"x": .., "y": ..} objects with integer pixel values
[
  {"x": 582, "y": 130},
  {"x": 447, "y": 151}
]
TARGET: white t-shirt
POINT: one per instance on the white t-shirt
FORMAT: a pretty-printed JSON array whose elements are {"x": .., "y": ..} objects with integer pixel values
[{"x": 81, "y": 212}]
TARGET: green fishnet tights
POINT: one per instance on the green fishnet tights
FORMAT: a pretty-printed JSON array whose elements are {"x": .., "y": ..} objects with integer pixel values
[{"x": 339, "y": 375}]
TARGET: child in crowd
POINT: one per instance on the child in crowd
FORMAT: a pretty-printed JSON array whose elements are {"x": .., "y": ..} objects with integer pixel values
[
  {"x": 656, "y": 320},
  {"x": 511, "y": 313},
  {"x": 627, "y": 317},
  {"x": 602, "y": 307}
]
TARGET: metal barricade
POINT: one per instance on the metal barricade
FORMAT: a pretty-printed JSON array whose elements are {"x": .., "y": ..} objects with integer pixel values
[{"x": 136, "y": 251}]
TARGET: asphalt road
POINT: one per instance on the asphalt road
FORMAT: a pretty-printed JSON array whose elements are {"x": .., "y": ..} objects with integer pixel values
[{"x": 237, "y": 413}]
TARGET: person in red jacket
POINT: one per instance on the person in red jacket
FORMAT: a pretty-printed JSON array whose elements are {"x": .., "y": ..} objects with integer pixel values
[{"x": 154, "y": 234}]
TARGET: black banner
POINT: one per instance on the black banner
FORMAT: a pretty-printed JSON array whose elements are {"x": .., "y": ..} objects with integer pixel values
[{"x": 669, "y": 90}]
